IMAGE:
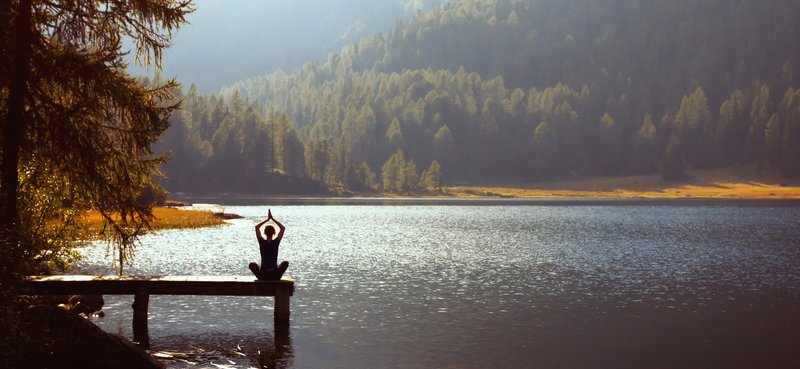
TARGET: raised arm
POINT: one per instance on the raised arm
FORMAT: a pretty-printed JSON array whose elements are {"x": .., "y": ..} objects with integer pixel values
[
  {"x": 258, "y": 234},
  {"x": 280, "y": 232}
]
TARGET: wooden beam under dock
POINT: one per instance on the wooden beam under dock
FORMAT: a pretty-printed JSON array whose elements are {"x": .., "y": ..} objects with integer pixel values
[{"x": 142, "y": 287}]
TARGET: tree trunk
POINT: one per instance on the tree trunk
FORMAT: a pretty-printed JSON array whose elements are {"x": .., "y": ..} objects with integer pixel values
[{"x": 19, "y": 57}]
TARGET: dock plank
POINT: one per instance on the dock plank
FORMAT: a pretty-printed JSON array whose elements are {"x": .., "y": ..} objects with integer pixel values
[
  {"x": 144, "y": 286},
  {"x": 156, "y": 285}
]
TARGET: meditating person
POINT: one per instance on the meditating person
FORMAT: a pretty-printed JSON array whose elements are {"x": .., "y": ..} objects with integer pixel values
[{"x": 269, "y": 270}]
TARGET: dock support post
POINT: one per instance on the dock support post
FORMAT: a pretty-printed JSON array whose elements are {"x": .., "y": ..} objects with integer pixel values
[
  {"x": 140, "y": 331},
  {"x": 282, "y": 306}
]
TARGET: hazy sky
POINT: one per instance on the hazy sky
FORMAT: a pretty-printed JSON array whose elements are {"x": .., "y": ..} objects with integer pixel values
[{"x": 231, "y": 40}]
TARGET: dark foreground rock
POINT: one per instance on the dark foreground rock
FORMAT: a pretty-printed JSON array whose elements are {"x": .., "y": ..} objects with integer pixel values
[
  {"x": 66, "y": 340},
  {"x": 86, "y": 304}
]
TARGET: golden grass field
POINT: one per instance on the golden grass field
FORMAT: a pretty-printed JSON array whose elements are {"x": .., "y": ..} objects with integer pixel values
[
  {"x": 729, "y": 183},
  {"x": 167, "y": 218}
]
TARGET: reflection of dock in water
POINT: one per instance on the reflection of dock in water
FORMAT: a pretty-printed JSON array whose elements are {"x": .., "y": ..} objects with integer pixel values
[
  {"x": 259, "y": 348},
  {"x": 282, "y": 354},
  {"x": 143, "y": 287}
]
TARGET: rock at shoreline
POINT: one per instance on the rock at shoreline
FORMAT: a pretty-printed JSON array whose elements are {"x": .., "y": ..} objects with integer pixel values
[
  {"x": 227, "y": 216},
  {"x": 86, "y": 304},
  {"x": 175, "y": 204},
  {"x": 66, "y": 340}
]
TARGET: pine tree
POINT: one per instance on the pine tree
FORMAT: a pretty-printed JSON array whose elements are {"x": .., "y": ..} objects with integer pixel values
[
  {"x": 431, "y": 177},
  {"x": 444, "y": 147},
  {"x": 759, "y": 116},
  {"x": 790, "y": 143},
  {"x": 394, "y": 134},
  {"x": 336, "y": 172},
  {"x": 362, "y": 178},
  {"x": 294, "y": 154},
  {"x": 691, "y": 122},
  {"x": 609, "y": 153},
  {"x": 93, "y": 123},
  {"x": 392, "y": 172},
  {"x": 409, "y": 179},
  {"x": 771, "y": 150},
  {"x": 645, "y": 153},
  {"x": 673, "y": 165},
  {"x": 544, "y": 148},
  {"x": 731, "y": 133},
  {"x": 399, "y": 175}
]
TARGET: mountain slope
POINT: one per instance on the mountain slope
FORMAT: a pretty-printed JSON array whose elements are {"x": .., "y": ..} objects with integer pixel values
[{"x": 508, "y": 90}]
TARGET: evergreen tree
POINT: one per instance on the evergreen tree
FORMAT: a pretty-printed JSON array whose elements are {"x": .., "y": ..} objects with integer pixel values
[
  {"x": 67, "y": 104},
  {"x": 392, "y": 172},
  {"x": 645, "y": 153},
  {"x": 790, "y": 143},
  {"x": 672, "y": 165},
  {"x": 759, "y": 116},
  {"x": 336, "y": 171},
  {"x": 76, "y": 133},
  {"x": 394, "y": 134},
  {"x": 409, "y": 178},
  {"x": 544, "y": 142},
  {"x": 362, "y": 178},
  {"x": 399, "y": 175},
  {"x": 609, "y": 154},
  {"x": 294, "y": 154},
  {"x": 771, "y": 150},
  {"x": 693, "y": 123},
  {"x": 732, "y": 129},
  {"x": 317, "y": 155},
  {"x": 431, "y": 177},
  {"x": 444, "y": 146}
]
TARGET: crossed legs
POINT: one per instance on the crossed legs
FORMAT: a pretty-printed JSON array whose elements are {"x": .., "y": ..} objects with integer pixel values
[{"x": 269, "y": 274}]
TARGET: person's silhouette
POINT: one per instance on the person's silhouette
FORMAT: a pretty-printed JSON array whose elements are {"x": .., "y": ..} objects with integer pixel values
[{"x": 269, "y": 270}]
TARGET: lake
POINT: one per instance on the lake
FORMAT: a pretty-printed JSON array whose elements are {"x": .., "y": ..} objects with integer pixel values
[{"x": 485, "y": 284}]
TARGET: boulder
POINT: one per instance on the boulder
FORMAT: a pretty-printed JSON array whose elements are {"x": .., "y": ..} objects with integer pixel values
[
  {"x": 228, "y": 216},
  {"x": 66, "y": 340},
  {"x": 86, "y": 304}
]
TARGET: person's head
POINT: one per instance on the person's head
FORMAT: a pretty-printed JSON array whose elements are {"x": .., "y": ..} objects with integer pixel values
[{"x": 269, "y": 231}]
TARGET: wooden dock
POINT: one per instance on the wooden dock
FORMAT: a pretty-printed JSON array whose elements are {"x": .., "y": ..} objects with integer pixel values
[{"x": 142, "y": 287}]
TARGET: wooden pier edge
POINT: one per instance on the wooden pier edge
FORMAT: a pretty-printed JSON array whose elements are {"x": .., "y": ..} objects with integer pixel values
[{"x": 141, "y": 287}]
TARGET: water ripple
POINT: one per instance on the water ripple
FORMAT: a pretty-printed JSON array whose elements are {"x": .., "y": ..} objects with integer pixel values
[{"x": 403, "y": 286}]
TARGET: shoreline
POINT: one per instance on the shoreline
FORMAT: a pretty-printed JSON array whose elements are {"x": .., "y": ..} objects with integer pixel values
[
  {"x": 492, "y": 201},
  {"x": 735, "y": 186}
]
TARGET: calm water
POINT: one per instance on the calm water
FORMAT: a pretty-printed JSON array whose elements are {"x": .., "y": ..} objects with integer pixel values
[{"x": 461, "y": 286}]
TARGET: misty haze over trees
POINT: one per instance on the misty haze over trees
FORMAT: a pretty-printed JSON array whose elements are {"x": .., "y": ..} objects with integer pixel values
[
  {"x": 492, "y": 91},
  {"x": 231, "y": 40}
]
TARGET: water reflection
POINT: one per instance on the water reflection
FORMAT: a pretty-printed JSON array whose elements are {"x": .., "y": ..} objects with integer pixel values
[
  {"x": 549, "y": 287},
  {"x": 282, "y": 355},
  {"x": 141, "y": 333},
  {"x": 220, "y": 350}
]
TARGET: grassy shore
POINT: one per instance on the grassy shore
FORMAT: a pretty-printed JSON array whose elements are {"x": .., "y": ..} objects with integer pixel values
[
  {"x": 729, "y": 183},
  {"x": 167, "y": 218}
]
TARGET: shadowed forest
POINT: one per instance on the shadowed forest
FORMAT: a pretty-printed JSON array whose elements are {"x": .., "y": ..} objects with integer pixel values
[{"x": 497, "y": 91}]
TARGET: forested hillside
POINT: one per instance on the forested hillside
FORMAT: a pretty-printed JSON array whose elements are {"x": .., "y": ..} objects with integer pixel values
[{"x": 503, "y": 90}]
